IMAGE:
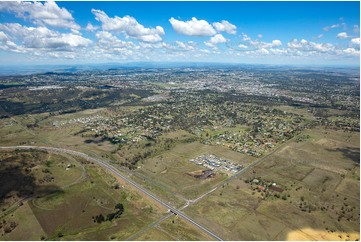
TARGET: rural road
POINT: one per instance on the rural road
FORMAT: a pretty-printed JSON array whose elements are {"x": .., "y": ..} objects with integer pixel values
[
  {"x": 117, "y": 173},
  {"x": 189, "y": 202},
  {"x": 247, "y": 168}
]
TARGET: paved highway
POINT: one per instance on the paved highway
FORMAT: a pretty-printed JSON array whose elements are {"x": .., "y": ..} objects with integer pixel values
[
  {"x": 117, "y": 173},
  {"x": 152, "y": 182}
]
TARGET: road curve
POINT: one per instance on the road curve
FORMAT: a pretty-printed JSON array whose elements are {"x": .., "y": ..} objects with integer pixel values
[{"x": 117, "y": 173}]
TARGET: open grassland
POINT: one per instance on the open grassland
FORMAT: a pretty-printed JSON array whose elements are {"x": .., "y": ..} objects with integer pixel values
[
  {"x": 297, "y": 110},
  {"x": 155, "y": 234},
  {"x": 162, "y": 191},
  {"x": 28, "y": 227},
  {"x": 79, "y": 191},
  {"x": 181, "y": 230},
  {"x": 320, "y": 199},
  {"x": 232, "y": 213},
  {"x": 173, "y": 228}
]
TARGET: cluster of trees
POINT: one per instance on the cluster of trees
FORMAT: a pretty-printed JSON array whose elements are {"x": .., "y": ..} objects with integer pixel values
[
  {"x": 8, "y": 226},
  {"x": 144, "y": 150},
  {"x": 109, "y": 217}
]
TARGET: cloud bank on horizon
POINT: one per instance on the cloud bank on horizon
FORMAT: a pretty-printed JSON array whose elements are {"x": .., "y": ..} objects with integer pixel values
[{"x": 46, "y": 32}]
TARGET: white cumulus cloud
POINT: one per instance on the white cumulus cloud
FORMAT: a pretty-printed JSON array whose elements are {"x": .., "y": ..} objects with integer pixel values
[
  {"x": 308, "y": 46},
  {"x": 107, "y": 40},
  {"x": 108, "y": 45},
  {"x": 264, "y": 45},
  {"x": 184, "y": 46},
  {"x": 355, "y": 41},
  {"x": 351, "y": 51},
  {"x": 225, "y": 26},
  {"x": 3, "y": 36},
  {"x": 276, "y": 43},
  {"x": 342, "y": 35},
  {"x": 242, "y": 46},
  {"x": 217, "y": 39},
  {"x": 47, "y": 13},
  {"x": 129, "y": 26},
  {"x": 263, "y": 51},
  {"x": 245, "y": 37},
  {"x": 91, "y": 27},
  {"x": 193, "y": 27},
  {"x": 28, "y": 39}
]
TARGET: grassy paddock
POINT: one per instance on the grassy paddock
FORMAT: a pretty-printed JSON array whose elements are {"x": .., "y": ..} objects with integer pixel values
[
  {"x": 66, "y": 213},
  {"x": 320, "y": 200}
]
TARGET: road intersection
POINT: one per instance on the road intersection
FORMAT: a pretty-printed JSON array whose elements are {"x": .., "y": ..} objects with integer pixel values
[{"x": 116, "y": 171}]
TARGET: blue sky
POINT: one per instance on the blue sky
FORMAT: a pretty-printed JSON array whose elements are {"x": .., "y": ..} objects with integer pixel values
[{"x": 319, "y": 33}]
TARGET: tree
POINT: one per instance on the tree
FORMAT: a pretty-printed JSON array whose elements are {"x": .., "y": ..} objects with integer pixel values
[
  {"x": 99, "y": 218},
  {"x": 111, "y": 216},
  {"x": 120, "y": 207}
]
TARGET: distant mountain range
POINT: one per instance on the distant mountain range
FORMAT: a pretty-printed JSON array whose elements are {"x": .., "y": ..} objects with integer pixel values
[{"x": 62, "y": 69}]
